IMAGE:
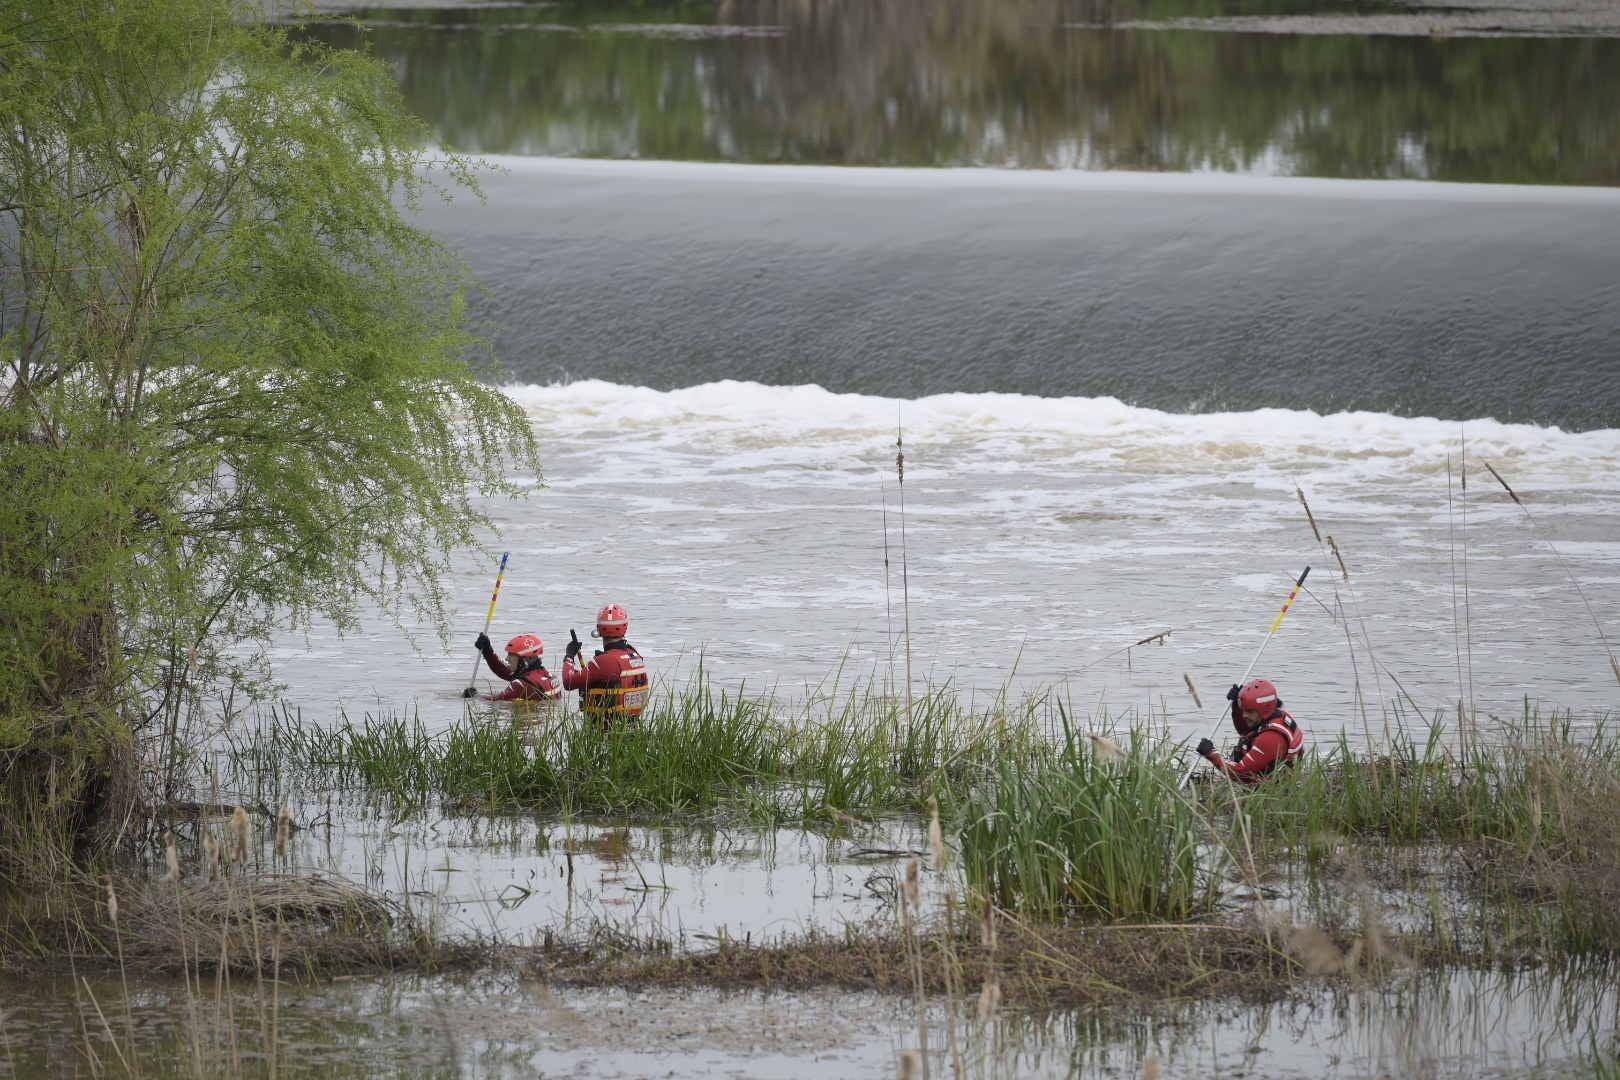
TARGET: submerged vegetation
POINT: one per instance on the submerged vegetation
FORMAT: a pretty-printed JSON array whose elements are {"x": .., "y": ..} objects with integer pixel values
[{"x": 1047, "y": 823}]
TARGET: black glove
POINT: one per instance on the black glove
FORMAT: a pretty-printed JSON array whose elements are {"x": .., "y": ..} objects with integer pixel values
[
  {"x": 1232, "y": 694},
  {"x": 574, "y": 646},
  {"x": 481, "y": 643},
  {"x": 471, "y": 691},
  {"x": 1205, "y": 748}
]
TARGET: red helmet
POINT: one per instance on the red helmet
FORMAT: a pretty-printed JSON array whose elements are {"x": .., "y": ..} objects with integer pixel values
[
  {"x": 1258, "y": 695},
  {"x": 612, "y": 621},
  {"x": 525, "y": 645}
]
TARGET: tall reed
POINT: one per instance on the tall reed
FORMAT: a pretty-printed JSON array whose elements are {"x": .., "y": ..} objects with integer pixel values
[{"x": 1096, "y": 835}]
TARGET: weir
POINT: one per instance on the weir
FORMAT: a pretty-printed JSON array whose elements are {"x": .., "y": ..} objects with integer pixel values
[{"x": 1195, "y": 293}]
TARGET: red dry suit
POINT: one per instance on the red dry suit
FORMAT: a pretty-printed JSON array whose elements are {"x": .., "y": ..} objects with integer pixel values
[
  {"x": 1277, "y": 741},
  {"x": 612, "y": 685},
  {"x": 523, "y": 684}
]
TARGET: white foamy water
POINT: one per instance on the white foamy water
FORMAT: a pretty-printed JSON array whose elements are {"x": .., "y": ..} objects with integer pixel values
[{"x": 760, "y": 529}]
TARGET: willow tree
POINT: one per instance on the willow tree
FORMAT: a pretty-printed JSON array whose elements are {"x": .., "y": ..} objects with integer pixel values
[{"x": 237, "y": 387}]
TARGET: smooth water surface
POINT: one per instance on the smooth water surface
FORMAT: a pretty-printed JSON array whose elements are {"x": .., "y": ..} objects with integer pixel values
[
  {"x": 1028, "y": 83},
  {"x": 1447, "y": 1024}
]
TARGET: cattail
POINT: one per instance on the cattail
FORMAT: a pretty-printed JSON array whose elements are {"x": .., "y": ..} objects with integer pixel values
[
  {"x": 913, "y": 892},
  {"x": 1104, "y": 748},
  {"x": 936, "y": 839},
  {"x": 910, "y": 1063},
  {"x": 1150, "y": 1067},
  {"x": 989, "y": 998},
  {"x": 1308, "y": 515},
  {"x": 1340, "y": 558},
  {"x": 1511, "y": 493},
  {"x": 210, "y": 854},
  {"x": 987, "y": 926},
  {"x": 171, "y": 858},
  {"x": 283, "y": 831},
  {"x": 1191, "y": 689},
  {"x": 239, "y": 836},
  {"x": 112, "y": 902}
]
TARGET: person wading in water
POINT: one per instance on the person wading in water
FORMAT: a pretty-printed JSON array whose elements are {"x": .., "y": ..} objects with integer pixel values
[
  {"x": 612, "y": 685},
  {"x": 1268, "y": 738},
  {"x": 526, "y": 674}
]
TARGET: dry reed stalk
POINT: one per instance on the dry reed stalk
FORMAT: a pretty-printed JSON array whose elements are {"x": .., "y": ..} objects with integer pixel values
[
  {"x": 1308, "y": 515},
  {"x": 1334, "y": 547},
  {"x": 910, "y": 906},
  {"x": 171, "y": 858},
  {"x": 123, "y": 976},
  {"x": 989, "y": 998},
  {"x": 905, "y": 583},
  {"x": 1614, "y": 665},
  {"x": 909, "y": 1065},
  {"x": 283, "y": 831},
  {"x": 1150, "y": 1067},
  {"x": 1457, "y": 630},
  {"x": 1193, "y": 690},
  {"x": 1465, "y": 734},
  {"x": 936, "y": 837},
  {"x": 1104, "y": 748},
  {"x": 987, "y": 927},
  {"x": 239, "y": 833},
  {"x": 888, "y": 604},
  {"x": 105, "y": 1026}
]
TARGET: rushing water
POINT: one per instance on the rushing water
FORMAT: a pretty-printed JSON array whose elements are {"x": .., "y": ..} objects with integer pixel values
[{"x": 756, "y": 521}]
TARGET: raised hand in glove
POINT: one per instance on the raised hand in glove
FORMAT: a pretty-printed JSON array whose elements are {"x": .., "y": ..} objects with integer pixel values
[
  {"x": 574, "y": 645},
  {"x": 481, "y": 643},
  {"x": 1205, "y": 748},
  {"x": 1232, "y": 694}
]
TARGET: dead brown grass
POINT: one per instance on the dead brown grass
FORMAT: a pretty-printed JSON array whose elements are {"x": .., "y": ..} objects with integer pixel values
[
  {"x": 296, "y": 924},
  {"x": 1030, "y": 966}
]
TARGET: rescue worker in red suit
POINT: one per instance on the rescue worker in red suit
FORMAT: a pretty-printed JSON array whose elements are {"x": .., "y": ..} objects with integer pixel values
[
  {"x": 1268, "y": 738},
  {"x": 612, "y": 685},
  {"x": 525, "y": 673}
]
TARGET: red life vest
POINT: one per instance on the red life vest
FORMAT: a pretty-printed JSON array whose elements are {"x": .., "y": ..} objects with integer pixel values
[
  {"x": 1293, "y": 737},
  {"x": 613, "y": 685},
  {"x": 523, "y": 684}
]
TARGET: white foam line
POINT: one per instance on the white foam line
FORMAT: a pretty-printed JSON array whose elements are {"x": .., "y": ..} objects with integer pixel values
[{"x": 1075, "y": 180}]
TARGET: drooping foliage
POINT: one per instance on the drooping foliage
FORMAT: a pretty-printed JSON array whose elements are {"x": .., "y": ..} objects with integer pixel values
[{"x": 235, "y": 385}]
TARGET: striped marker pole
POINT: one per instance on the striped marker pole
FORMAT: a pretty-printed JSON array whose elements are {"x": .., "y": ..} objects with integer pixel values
[
  {"x": 1248, "y": 670},
  {"x": 488, "y": 619}
]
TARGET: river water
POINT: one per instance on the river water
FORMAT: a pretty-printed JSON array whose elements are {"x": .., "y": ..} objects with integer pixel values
[
  {"x": 719, "y": 359},
  {"x": 1112, "y": 386}
]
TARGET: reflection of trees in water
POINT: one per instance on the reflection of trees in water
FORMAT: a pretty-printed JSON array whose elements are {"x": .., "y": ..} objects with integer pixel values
[{"x": 949, "y": 82}]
